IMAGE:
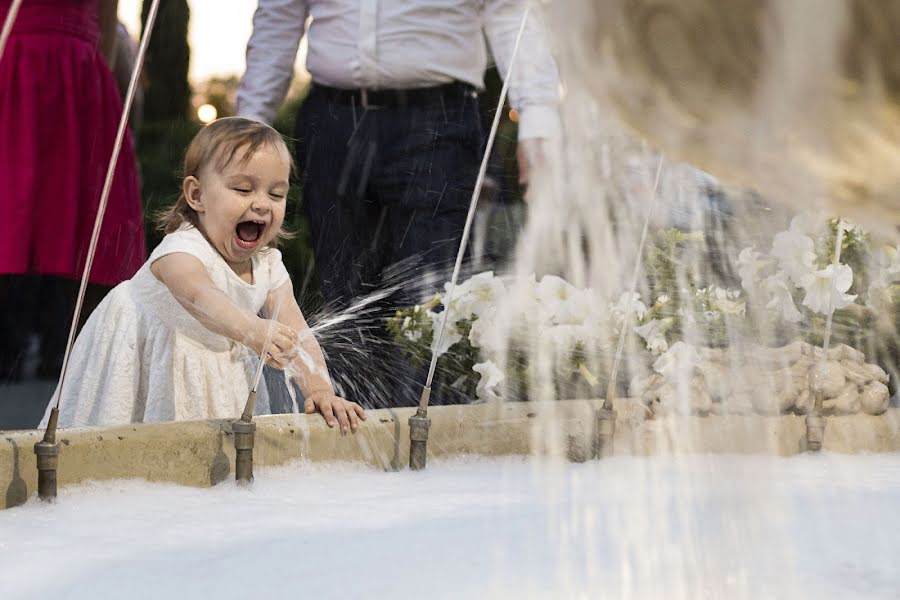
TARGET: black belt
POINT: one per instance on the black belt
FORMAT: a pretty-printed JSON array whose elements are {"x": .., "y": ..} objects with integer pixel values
[{"x": 371, "y": 99}]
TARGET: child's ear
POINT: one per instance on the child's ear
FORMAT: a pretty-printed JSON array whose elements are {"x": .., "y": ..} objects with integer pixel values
[{"x": 190, "y": 187}]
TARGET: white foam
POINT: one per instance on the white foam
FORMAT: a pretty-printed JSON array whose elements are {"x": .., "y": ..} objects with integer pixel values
[{"x": 704, "y": 527}]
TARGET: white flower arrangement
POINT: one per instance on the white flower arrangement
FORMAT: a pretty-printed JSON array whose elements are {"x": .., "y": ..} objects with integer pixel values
[{"x": 493, "y": 324}]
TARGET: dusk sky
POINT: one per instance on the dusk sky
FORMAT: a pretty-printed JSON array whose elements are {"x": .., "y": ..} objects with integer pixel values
[{"x": 218, "y": 35}]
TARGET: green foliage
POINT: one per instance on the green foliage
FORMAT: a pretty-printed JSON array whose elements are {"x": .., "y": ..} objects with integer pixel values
[
  {"x": 413, "y": 331},
  {"x": 160, "y": 155},
  {"x": 166, "y": 63},
  {"x": 854, "y": 252}
]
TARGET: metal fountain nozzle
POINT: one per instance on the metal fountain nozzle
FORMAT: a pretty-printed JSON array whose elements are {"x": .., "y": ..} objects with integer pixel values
[
  {"x": 244, "y": 430},
  {"x": 815, "y": 420},
  {"x": 47, "y": 451},
  {"x": 419, "y": 425},
  {"x": 605, "y": 424}
]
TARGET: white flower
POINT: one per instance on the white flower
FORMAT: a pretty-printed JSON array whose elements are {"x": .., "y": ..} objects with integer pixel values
[
  {"x": 451, "y": 334},
  {"x": 475, "y": 295},
  {"x": 663, "y": 299},
  {"x": 491, "y": 378},
  {"x": 795, "y": 252},
  {"x": 819, "y": 294},
  {"x": 878, "y": 296},
  {"x": 678, "y": 361},
  {"x": 749, "y": 266},
  {"x": 781, "y": 299},
  {"x": 413, "y": 335},
  {"x": 552, "y": 289},
  {"x": 724, "y": 301},
  {"x": 654, "y": 333},
  {"x": 628, "y": 304},
  {"x": 487, "y": 333}
]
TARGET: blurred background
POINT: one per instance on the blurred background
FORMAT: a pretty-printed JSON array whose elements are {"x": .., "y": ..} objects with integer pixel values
[{"x": 190, "y": 77}]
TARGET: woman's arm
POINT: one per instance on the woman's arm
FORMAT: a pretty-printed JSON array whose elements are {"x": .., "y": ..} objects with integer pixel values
[
  {"x": 309, "y": 368},
  {"x": 191, "y": 285}
]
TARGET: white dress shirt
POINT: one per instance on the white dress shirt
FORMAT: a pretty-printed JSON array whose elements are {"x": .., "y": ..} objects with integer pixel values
[{"x": 400, "y": 44}]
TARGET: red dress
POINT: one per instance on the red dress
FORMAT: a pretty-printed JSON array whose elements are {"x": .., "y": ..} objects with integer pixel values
[{"x": 59, "y": 112}]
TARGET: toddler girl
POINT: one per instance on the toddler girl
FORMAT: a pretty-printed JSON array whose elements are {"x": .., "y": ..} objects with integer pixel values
[{"x": 180, "y": 340}]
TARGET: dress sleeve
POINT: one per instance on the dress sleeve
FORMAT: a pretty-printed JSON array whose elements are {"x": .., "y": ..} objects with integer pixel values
[
  {"x": 187, "y": 240},
  {"x": 278, "y": 274}
]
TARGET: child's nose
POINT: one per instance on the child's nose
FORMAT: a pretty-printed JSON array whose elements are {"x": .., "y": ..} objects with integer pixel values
[{"x": 261, "y": 203}]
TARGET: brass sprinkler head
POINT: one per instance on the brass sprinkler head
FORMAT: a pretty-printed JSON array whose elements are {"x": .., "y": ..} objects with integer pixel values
[
  {"x": 419, "y": 425},
  {"x": 815, "y": 420},
  {"x": 47, "y": 451},
  {"x": 244, "y": 430},
  {"x": 605, "y": 425}
]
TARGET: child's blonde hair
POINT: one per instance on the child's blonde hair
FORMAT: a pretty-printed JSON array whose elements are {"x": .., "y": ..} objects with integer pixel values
[{"x": 221, "y": 141}]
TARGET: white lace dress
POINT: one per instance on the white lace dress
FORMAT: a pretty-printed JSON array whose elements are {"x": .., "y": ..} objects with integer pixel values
[{"x": 142, "y": 357}]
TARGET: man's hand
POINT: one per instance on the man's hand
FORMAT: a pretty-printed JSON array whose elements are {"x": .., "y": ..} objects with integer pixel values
[{"x": 348, "y": 414}]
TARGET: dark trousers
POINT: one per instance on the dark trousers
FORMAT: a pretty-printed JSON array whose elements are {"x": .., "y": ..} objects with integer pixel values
[{"x": 386, "y": 191}]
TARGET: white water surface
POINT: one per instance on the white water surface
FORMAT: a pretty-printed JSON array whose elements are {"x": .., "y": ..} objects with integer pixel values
[{"x": 825, "y": 527}]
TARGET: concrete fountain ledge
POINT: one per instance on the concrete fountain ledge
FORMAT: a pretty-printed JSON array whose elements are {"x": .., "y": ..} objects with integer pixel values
[{"x": 201, "y": 453}]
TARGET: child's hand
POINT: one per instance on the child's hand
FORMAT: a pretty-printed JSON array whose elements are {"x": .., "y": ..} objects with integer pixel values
[
  {"x": 282, "y": 348},
  {"x": 348, "y": 414}
]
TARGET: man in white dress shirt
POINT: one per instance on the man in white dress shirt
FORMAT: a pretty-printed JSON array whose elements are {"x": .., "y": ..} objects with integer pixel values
[{"x": 389, "y": 139}]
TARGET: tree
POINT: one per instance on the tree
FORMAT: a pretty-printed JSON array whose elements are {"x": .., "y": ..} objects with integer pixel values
[{"x": 166, "y": 65}]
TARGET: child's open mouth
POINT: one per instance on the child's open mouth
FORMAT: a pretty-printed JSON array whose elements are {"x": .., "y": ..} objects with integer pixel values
[{"x": 248, "y": 233}]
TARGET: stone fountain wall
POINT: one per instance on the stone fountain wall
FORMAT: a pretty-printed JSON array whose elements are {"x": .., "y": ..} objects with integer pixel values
[
  {"x": 201, "y": 453},
  {"x": 769, "y": 381}
]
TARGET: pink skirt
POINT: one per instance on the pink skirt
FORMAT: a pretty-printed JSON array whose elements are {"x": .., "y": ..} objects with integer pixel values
[{"x": 59, "y": 112}]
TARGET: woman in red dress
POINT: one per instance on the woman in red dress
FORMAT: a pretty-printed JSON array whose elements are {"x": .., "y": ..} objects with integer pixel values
[{"x": 59, "y": 112}]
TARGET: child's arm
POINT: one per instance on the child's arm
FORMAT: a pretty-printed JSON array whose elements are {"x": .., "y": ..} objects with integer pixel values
[
  {"x": 311, "y": 372},
  {"x": 191, "y": 285}
]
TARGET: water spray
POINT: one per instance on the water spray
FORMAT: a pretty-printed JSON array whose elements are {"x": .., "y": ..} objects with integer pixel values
[
  {"x": 420, "y": 422},
  {"x": 605, "y": 416},
  {"x": 244, "y": 429},
  {"x": 815, "y": 420},
  {"x": 47, "y": 450}
]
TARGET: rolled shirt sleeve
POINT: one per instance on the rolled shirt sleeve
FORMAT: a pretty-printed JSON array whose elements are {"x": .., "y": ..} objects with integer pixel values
[
  {"x": 534, "y": 89},
  {"x": 278, "y": 26}
]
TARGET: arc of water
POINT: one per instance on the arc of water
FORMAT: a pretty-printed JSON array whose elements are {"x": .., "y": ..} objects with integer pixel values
[
  {"x": 611, "y": 387},
  {"x": 473, "y": 203},
  {"x": 8, "y": 23},
  {"x": 247, "y": 415},
  {"x": 838, "y": 242},
  {"x": 107, "y": 184}
]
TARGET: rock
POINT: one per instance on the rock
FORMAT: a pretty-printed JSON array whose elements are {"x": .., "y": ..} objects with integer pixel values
[
  {"x": 877, "y": 373},
  {"x": 847, "y": 402},
  {"x": 830, "y": 378},
  {"x": 641, "y": 384},
  {"x": 856, "y": 372},
  {"x": 739, "y": 404},
  {"x": 776, "y": 394},
  {"x": 873, "y": 399},
  {"x": 788, "y": 355},
  {"x": 718, "y": 382},
  {"x": 804, "y": 402},
  {"x": 714, "y": 355},
  {"x": 697, "y": 400},
  {"x": 845, "y": 352}
]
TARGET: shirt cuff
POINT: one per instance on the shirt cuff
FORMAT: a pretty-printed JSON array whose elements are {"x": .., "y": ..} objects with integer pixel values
[{"x": 539, "y": 121}]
